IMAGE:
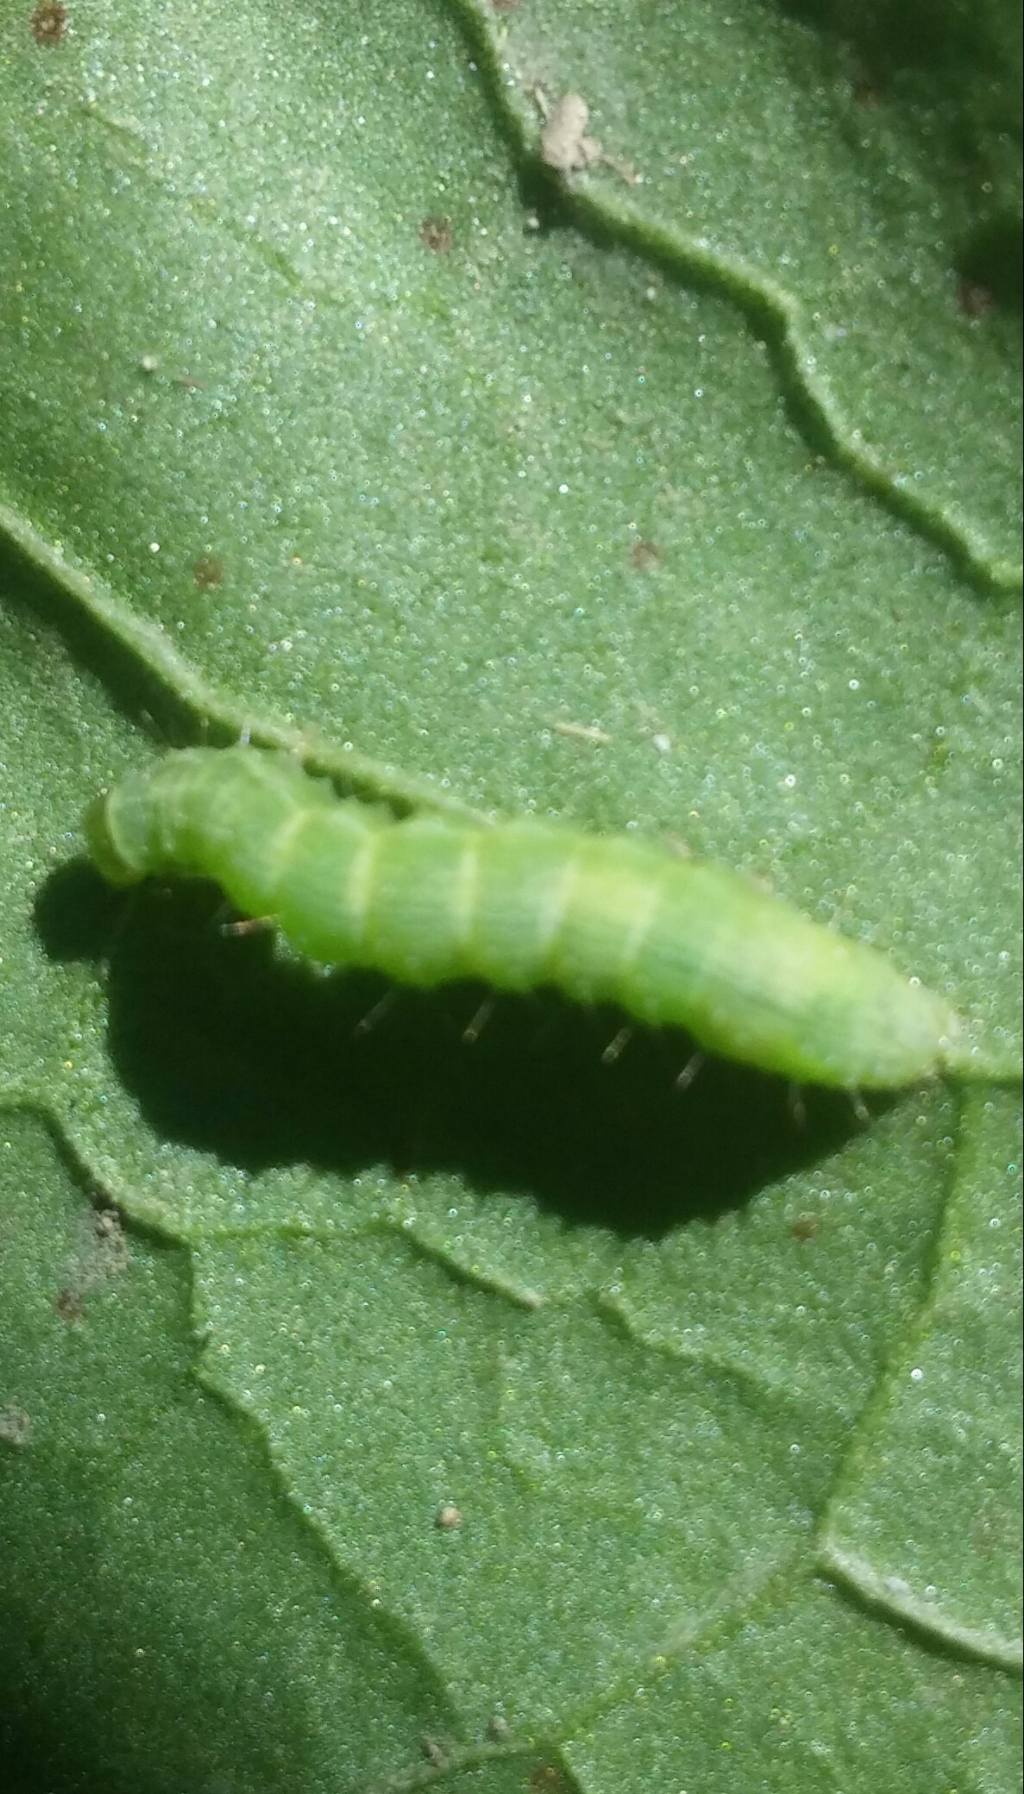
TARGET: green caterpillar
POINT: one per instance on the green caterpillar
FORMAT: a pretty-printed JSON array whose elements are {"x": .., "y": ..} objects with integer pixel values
[{"x": 426, "y": 900}]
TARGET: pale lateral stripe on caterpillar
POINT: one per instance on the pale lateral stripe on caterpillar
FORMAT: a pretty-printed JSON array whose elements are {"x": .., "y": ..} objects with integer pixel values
[{"x": 426, "y": 900}]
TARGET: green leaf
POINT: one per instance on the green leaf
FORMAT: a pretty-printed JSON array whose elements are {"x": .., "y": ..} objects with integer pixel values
[
  {"x": 170, "y": 1620},
  {"x": 944, "y": 1421},
  {"x": 380, "y": 1411}
]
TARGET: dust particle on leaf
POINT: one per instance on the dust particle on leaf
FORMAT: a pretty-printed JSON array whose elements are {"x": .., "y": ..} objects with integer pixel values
[
  {"x": 207, "y": 571},
  {"x": 49, "y": 23},
  {"x": 449, "y": 1517},
  {"x": 582, "y": 732},
  {"x": 15, "y": 1425},
  {"x": 974, "y": 299},
  {"x": 565, "y": 144},
  {"x": 504, "y": 5},
  {"x": 437, "y": 234},
  {"x": 103, "y": 1253},
  {"x": 111, "y": 1245}
]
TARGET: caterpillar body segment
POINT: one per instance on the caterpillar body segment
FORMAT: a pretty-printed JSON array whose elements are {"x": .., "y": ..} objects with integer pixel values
[{"x": 526, "y": 903}]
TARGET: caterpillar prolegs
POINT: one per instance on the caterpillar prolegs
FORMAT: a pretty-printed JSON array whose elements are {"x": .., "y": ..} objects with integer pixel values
[{"x": 426, "y": 900}]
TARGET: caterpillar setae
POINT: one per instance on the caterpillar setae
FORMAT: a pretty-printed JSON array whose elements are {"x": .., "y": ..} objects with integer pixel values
[{"x": 426, "y": 900}]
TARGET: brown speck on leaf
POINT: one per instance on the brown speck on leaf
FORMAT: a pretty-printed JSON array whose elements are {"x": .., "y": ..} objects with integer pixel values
[
  {"x": 865, "y": 93},
  {"x": 49, "y": 22},
  {"x": 805, "y": 1227},
  {"x": 449, "y": 1517},
  {"x": 644, "y": 555},
  {"x": 546, "y": 1779},
  {"x": 207, "y": 571},
  {"x": 975, "y": 300},
  {"x": 504, "y": 5},
  {"x": 437, "y": 234},
  {"x": 69, "y": 1305},
  {"x": 434, "y": 1752}
]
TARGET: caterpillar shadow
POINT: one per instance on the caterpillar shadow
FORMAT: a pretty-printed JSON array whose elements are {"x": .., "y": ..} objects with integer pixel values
[{"x": 230, "y": 1046}]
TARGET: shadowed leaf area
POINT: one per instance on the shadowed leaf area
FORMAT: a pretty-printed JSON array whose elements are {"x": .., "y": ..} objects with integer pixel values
[{"x": 232, "y": 1047}]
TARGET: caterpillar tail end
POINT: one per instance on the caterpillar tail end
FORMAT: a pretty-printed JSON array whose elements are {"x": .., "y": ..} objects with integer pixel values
[{"x": 102, "y": 847}]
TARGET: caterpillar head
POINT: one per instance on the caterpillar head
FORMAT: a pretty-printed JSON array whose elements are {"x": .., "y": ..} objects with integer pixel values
[{"x": 118, "y": 829}]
